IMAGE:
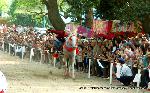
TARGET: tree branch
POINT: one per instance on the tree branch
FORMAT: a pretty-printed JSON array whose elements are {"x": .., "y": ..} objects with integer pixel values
[{"x": 46, "y": 3}]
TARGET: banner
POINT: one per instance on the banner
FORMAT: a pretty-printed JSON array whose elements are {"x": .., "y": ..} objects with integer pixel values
[
  {"x": 117, "y": 26},
  {"x": 100, "y": 27},
  {"x": 84, "y": 31}
]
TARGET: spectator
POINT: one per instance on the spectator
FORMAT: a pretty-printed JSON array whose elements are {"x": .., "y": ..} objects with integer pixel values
[{"x": 126, "y": 76}]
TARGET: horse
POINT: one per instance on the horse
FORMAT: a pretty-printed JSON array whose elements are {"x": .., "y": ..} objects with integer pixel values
[
  {"x": 70, "y": 51},
  {"x": 69, "y": 46}
]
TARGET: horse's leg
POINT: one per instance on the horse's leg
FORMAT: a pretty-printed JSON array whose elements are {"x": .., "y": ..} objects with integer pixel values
[
  {"x": 69, "y": 65},
  {"x": 66, "y": 72},
  {"x": 73, "y": 76},
  {"x": 72, "y": 63}
]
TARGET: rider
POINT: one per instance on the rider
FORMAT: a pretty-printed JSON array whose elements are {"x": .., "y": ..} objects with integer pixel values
[{"x": 60, "y": 38}]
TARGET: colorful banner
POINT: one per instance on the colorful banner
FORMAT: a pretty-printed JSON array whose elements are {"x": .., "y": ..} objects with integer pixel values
[
  {"x": 100, "y": 27},
  {"x": 85, "y": 31},
  {"x": 117, "y": 26}
]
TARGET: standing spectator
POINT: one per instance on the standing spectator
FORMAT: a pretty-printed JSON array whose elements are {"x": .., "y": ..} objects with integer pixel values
[{"x": 80, "y": 59}]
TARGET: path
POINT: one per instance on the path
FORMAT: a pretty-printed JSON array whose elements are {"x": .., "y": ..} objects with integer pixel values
[{"x": 25, "y": 77}]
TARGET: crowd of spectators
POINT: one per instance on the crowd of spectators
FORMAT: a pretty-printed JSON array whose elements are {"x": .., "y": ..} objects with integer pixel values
[{"x": 131, "y": 53}]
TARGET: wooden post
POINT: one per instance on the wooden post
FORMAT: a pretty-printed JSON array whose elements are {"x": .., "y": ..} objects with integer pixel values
[
  {"x": 48, "y": 55},
  {"x": 15, "y": 49},
  {"x": 3, "y": 45},
  {"x": 22, "y": 52},
  {"x": 31, "y": 54},
  {"x": 111, "y": 68},
  {"x": 138, "y": 83},
  {"x": 89, "y": 68},
  {"x": 54, "y": 61},
  {"x": 9, "y": 48},
  {"x": 41, "y": 57}
]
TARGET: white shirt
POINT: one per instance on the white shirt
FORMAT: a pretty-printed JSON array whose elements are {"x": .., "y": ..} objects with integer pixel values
[{"x": 125, "y": 70}]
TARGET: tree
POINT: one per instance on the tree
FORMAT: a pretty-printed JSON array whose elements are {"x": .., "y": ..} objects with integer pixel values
[
  {"x": 4, "y": 5},
  {"x": 82, "y": 10},
  {"x": 126, "y": 11},
  {"x": 37, "y": 8},
  {"x": 31, "y": 10},
  {"x": 53, "y": 14}
]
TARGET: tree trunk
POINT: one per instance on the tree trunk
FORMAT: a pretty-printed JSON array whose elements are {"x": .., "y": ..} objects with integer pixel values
[
  {"x": 89, "y": 18},
  {"x": 146, "y": 24},
  {"x": 53, "y": 14}
]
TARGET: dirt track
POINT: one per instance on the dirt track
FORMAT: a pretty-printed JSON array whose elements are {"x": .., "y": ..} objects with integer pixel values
[{"x": 25, "y": 77}]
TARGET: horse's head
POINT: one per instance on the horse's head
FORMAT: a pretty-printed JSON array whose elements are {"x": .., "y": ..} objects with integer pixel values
[{"x": 74, "y": 41}]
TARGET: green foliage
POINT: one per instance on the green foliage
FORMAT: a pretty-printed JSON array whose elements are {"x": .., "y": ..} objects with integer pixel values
[
  {"x": 125, "y": 10},
  {"x": 77, "y": 9},
  {"x": 28, "y": 5},
  {"x": 31, "y": 11},
  {"x": 13, "y": 7},
  {"x": 22, "y": 19},
  {"x": 4, "y": 5}
]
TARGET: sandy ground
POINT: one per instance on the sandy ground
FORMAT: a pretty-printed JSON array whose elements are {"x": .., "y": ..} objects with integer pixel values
[{"x": 25, "y": 77}]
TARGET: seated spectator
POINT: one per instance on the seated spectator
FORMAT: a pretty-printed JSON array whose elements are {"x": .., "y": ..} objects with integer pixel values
[{"x": 126, "y": 76}]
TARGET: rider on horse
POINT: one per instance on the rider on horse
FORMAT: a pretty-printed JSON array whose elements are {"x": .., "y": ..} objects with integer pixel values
[{"x": 60, "y": 38}]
